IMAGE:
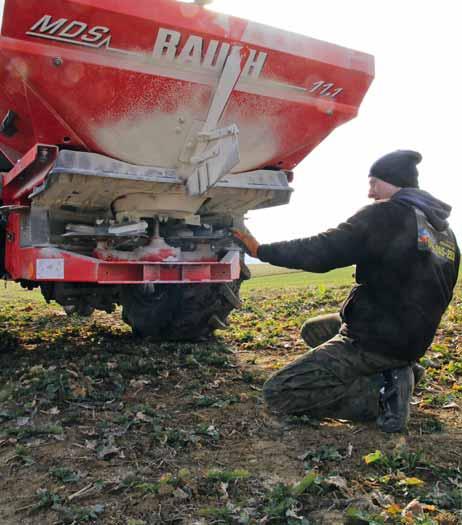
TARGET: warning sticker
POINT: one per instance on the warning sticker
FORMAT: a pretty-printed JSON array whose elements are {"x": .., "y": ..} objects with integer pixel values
[{"x": 50, "y": 269}]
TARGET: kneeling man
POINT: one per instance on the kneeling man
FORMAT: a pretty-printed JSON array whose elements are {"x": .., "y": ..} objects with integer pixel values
[{"x": 407, "y": 263}]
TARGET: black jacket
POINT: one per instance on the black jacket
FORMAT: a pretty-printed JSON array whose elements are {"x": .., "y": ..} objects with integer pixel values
[{"x": 406, "y": 270}]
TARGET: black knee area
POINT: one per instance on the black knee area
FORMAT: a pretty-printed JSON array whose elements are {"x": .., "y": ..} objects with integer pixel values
[{"x": 318, "y": 330}]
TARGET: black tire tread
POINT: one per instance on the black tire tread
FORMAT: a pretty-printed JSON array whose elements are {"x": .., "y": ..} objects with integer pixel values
[{"x": 179, "y": 312}]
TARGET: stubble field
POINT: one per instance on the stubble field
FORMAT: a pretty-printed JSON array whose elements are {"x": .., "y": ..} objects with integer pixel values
[{"x": 99, "y": 427}]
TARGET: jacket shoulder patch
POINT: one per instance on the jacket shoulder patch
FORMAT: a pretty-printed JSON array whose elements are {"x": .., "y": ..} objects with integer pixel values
[{"x": 440, "y": 244}]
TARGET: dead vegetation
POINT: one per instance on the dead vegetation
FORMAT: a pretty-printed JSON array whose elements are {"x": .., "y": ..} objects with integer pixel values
[{"x": 98, "y": 427}]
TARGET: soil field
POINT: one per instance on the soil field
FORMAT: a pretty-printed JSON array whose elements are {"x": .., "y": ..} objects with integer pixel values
[{"x": 99, "y": 427}]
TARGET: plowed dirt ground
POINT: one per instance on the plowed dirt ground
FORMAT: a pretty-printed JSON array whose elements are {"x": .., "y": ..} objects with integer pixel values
[{"x": 96, "y": 426}]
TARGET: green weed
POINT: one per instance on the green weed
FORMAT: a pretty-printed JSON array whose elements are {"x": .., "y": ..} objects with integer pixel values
[
  {"x": 214, "y": 402},
  {"x": 279, "y": 501},
  {"x": 46, "y": 499},
  {"x": 399, "y": 460},
  {"x": 64, "y": 475},
  {"x": 147, "y": 488},
  {"x": 322, "y": 454},
  {"x": 218, "y": 514},
  {"x": 431, "y": 425},
  {"x": 73, "y": 515},
  {"x": 303, "y": 421},
  {"x": 23, "y": 455},
  {"x": 445, "y": 499},
  {"x": 28, "y": 432},
  {"x": 228, "y": 476}
]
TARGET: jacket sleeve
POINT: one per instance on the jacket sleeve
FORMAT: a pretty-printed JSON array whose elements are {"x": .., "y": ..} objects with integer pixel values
[{"x": 335, "y": 248}]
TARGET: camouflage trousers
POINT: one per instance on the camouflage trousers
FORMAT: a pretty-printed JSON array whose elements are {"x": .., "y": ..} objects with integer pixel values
[{"x": 337, "y": 379}]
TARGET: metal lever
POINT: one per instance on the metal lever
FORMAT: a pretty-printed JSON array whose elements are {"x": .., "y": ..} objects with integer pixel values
[{"x": 217, "y": 150}]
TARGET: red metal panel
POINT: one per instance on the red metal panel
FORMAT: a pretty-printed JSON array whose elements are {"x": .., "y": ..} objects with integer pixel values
[
  {"x": 170, "y": 273},
  {"x": 29, "y": 172},
  {"x": 25, "y": 162},
  {"x": 221, "y": 272},
  {"x": 31, "y": 264},
  {"x": 151, "y": 272},
  {"x": 196, "y": 273},
  {"x": 113, "y": 273},
  {"x": 48, "y": 124}
]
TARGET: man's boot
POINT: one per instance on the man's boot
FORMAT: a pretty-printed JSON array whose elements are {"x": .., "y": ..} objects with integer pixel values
[
  {"x": 396, "y": 399},
  {"x": 419, "y": 372}
]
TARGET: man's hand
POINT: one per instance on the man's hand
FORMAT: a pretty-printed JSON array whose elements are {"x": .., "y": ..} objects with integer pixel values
[{"x": 250, "y": 243}]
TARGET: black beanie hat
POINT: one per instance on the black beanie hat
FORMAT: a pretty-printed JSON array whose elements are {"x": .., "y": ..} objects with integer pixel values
[{"x": 398, "y": 168}]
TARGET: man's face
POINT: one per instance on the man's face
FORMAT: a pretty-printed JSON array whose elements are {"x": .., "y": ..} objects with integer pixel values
[{"x": 380, "y": 190}]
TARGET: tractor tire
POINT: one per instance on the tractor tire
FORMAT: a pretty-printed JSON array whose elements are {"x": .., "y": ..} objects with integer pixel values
[
  {"x": 179, "y": 312},
  {"x": 82, "y": 310}
]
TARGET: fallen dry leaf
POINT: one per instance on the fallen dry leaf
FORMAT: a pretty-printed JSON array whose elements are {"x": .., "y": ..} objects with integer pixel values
[
  {"x": 414, "y": 507},
  {"x": 337, "y": 482},
  {"x": 451, "y": 405}
]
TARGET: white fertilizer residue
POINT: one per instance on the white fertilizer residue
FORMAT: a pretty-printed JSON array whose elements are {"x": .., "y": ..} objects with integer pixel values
[{"x": 155, "y": 139}]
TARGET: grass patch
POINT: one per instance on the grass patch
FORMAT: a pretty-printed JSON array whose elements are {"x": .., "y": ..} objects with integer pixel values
[{"x": 265, "y": 276}]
